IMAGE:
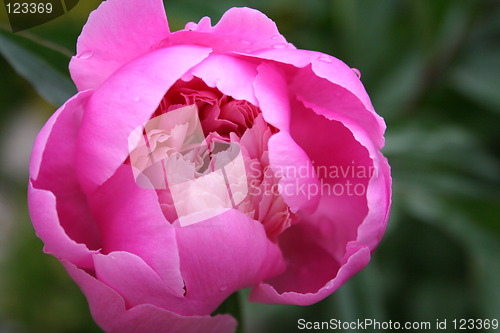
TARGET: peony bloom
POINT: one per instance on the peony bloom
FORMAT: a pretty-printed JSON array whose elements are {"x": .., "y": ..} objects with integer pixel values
[{"x": 195, "y": 163}]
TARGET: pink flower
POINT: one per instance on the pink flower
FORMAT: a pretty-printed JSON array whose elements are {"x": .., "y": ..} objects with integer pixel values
[{"x": 195, "y": 163}]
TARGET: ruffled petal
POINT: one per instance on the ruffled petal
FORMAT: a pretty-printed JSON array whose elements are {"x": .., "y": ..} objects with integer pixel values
[
  {"x": 250, "y": 25},
  {"x": 125, "y": 101},
  {"x": 110, "y": 313},
  {"x": 116, "y": 33},
  {"x": 243, "y": 30}
]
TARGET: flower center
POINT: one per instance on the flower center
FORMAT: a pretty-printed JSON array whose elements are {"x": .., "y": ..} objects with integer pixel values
[{"x": 205, "y": 152}]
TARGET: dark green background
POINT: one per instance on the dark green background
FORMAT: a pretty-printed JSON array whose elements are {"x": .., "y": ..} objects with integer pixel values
[{"x": 432, "y": 69}]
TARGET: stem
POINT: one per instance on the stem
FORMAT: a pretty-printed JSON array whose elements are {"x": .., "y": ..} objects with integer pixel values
[{"x": 233, "y": 306}]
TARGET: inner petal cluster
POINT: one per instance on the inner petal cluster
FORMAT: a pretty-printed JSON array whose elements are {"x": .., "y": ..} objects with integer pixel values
[{"x": 205, "y": 152}]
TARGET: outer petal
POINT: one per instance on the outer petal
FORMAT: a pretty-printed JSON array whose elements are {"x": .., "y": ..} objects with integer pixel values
[
  {"x": 147, "y": 318},
  {"x": 249, "y": 24},
  {"x": 43, "y": 212},
  {"x": 42, "y": 137},
  {"x": 110, "y": 313},
  {"x": 265, "y": 293},
  {"x": 335, "y": 241},
  {"x": 58, "y": 209},
  {"x": 379, "y": 194},
  {"x": 343, "y": 206},
  {"x": 239, "y": 30},
  {"x": 131, "y": 220},
  {"x": 116, "y": 33},
  {"x": 139, "y": 284},
  {"x": 327, "y": 82},
  {"x": 224, "y": 254},
  {"x": 127, "y": 100}
]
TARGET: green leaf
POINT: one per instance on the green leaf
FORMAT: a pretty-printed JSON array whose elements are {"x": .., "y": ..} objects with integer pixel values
[{"x": 39, "y": 64}]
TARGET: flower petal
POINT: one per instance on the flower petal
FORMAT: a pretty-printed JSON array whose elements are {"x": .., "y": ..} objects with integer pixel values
[
  {"x": 53, "y": 166},
  {"x": 132, "y": 278},
  {"x": 379, "y": 192},
  {"x": 131, "y": 220},
  {"x": 109, "y": 312},
  {"x": 271, "y": 91},
  {"x": 289, "y": 162},
  {"x": 327, "y": 82},
  {"x": 125, "y": 101},
  {"x": 243, "y": 30},
  {"x": 345, "y": 228},
  {"x": 224, "y": 254},
  {"x": 148, "y": 318},
  {"x": 116, "y": 33},
  {"x": 233, "y": 76},
  {"x": 54, "y": 181},
  {"x": 251, "y": 25},
  {"x": 344, "y": 175},
  {"x": 41, "y": 140},
  {"x": 43, "y": 213},
  {"x": 266, "y": 293}
]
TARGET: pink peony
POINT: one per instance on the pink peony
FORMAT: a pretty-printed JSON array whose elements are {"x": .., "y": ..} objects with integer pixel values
[{"x": 196, "y": 163}]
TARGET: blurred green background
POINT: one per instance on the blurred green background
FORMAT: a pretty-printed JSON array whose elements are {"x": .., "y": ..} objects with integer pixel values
[{"x": 432, "y": 69}]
